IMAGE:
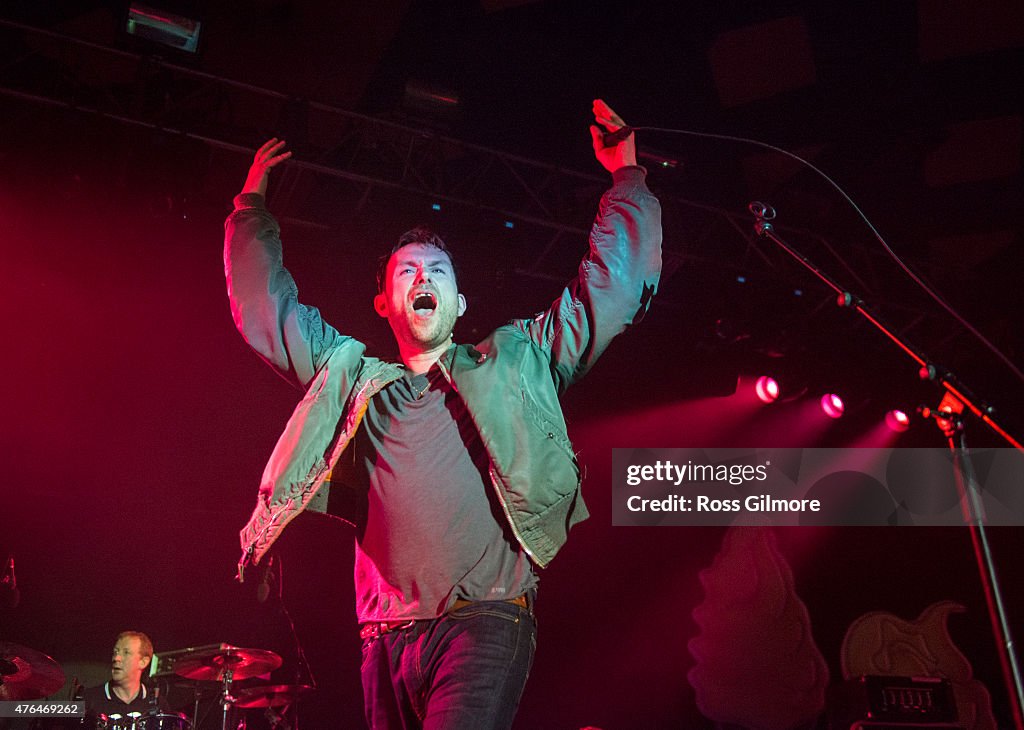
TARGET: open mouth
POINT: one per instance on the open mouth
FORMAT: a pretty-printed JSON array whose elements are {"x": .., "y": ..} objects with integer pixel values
[{"x": 424, "y": 303}]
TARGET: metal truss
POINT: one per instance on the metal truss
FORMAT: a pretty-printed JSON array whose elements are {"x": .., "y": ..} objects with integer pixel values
[{"x": 56, "y": 70}]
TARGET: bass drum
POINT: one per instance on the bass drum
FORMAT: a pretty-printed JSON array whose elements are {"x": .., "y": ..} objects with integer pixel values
[
  {"x": 56, "y": 723},
  {"x": 164, "y": 721}
]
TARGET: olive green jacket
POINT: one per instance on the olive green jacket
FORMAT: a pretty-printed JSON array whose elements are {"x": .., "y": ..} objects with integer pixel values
[{"x": 510, "y": 382}]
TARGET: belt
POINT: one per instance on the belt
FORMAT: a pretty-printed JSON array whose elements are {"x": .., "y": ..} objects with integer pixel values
[
  {"x": 376, "y": 629},
  {"x": 517, "y": 601}
]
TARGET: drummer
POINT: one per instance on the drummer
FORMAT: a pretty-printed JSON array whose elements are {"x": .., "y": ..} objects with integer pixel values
[{"x": 124, "y": 693}]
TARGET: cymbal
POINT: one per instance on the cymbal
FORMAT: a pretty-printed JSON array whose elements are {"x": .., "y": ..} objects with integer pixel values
[
  {"x": 272, "y": 695},
  {"x": 212, "y": 665},
  {"x": 27, "y": 674}
]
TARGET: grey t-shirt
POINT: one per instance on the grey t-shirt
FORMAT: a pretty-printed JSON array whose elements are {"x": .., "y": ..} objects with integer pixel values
[{"x": 435, "y": 531}]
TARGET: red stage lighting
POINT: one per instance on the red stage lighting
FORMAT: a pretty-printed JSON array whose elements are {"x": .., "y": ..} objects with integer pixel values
[
  {"x": 897, "y": 420},
  {"x": 767, "y": 389},
  {"x": 832, "y": 405}
]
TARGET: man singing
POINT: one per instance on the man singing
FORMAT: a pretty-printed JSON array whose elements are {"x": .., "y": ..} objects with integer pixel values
[{"x": 453, "y": 465}]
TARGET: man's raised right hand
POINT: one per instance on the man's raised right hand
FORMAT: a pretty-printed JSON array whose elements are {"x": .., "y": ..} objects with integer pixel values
[{"x": 267, "y": 157}]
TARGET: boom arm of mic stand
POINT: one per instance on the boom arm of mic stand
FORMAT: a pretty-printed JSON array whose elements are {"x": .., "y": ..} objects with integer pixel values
[{"x": 764, "y": 214}]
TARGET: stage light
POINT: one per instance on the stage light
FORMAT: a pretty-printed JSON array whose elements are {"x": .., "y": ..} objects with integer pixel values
[
  {"x": 832, "y": 405},
  {"x": 158, "y": 25},
  {"x": 657, "y": 158},
  {"x": 435, "y": 206},
  {"x": 430, "y": 105},
  {"x": 767, "y": 389},
  {"x": 897, "y": 420},
  {"x": 741, "y": 279},
  {"x": 509, "y": 224}
]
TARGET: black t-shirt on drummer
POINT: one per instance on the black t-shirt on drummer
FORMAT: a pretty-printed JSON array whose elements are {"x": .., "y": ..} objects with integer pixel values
[{"x": 101, "y": 700}]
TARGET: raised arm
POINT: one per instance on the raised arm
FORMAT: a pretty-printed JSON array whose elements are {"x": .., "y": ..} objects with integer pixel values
[
  {"x": 619, "y": 274},
  {"x": 269, "y": 156},
  {"x": 290, "y": 336}
]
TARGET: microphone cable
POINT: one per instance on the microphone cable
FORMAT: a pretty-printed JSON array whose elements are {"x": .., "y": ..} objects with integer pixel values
[{"x": 625, "y": 131}]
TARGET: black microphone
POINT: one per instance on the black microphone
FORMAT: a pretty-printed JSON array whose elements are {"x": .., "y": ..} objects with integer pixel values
[
  {"x": 10, "y": 582},
  {"x": 263, "y": 589},
  {"x": 610, "y": 139},
  {"x": 940, "y": 414}
]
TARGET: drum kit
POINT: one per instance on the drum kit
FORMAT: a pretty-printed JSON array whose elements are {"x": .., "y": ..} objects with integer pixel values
[{"x": 26, "y": 674}]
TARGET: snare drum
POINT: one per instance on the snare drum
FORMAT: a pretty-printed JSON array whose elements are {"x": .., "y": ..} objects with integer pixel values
[
  {"x": 164, "y": 721},
  {"x": 138, "y": 721},
  {"x": 117, "y": 721}
]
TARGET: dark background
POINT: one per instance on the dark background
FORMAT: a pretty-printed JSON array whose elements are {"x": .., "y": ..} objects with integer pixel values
[{"x": 136, "y": 422}]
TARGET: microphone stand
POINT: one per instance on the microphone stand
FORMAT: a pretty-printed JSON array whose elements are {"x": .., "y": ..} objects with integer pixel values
[
  {"x": 303, "y": 663},
  {"x": 929, "y": 371},
  {"x": 949, "y": 417}
]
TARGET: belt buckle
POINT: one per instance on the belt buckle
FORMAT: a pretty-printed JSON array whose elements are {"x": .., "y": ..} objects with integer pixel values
[{"x": 377, "y": 629}]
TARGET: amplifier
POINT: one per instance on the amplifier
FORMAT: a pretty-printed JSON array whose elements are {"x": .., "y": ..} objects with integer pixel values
[{"x": 882, "y": 703}]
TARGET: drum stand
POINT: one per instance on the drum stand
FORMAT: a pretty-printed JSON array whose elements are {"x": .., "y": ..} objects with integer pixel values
[
  {"x": 224, "y": 664},
  {"x": 227, "y": 701}
]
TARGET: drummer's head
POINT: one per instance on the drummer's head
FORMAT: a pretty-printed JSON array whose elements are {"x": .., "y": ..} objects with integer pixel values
[{"x": 133, "y": 652}]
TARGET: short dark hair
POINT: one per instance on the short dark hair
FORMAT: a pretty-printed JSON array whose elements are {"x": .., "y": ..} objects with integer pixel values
[
  {"x": 145, "y": 645},
  {"x": 419, "y": 234}
]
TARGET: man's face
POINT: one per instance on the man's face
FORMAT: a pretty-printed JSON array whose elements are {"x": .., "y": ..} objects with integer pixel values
[
  {"x": 127, "y": 662},
  {"x": 420, "y": 299}
]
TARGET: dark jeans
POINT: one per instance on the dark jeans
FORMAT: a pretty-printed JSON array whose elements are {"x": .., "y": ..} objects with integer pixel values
[{"x": 463, "y": 671}]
